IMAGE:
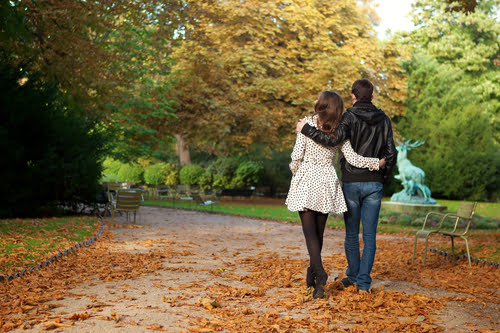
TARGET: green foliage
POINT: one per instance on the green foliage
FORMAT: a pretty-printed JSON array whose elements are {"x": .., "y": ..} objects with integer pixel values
[
  {"x": 51, "y": 155},
  {"x": 459, "y": 157},
  {"x": 172, "y": 175},
  {"x": 156, "y": 174},
  {"x": 111, "y": 59},
  {"x": 464, "y": 40},
  {"x": 190, "y": 174},
  {"x": 247, "y": 174},
  {"x": 222, "y": 170},
  {"x": 161, "y": 173},
  {"x": 454, "y": 97},
  {"x": 206, "y": 180},
  {"x": 131, "y": 172},
  {"x": 110, "y": 171},
  {"x": 277, "y": 173}
]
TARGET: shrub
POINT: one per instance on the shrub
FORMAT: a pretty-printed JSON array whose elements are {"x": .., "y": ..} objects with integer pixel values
[
  {"x": 161, "y": 173},
  {"x": 221, "y": 181},
  {"x": 172, "y": 175},
  {"x": 205, "y": 180},
  {"x": 190, "y": 174},
  {"x": 155, "y": 174},
  {"x": 131, "y": 173},
  {"x": 277, "y": 173},
  {"x": 247, "y": 174},
  {"x": 222, "y": 171},
  {"x": 404, "y": 219}
]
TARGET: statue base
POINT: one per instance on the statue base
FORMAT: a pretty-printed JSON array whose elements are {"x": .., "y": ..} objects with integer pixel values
[
  {"x": 412, "y": 207},
  {"x": 403, "y": 196}
]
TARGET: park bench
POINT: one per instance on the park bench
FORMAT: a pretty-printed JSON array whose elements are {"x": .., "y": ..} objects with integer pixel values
[
  {"x": 461, "y": 227},
  {"x": 235, "y": 192}
]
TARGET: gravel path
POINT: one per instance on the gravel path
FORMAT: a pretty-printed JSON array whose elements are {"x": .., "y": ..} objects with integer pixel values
[{"x": 208, "y": 251}]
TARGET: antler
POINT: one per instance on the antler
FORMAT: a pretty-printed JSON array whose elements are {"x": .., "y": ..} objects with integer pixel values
[
  {"x": 407, "y": 144},
  {"x": 415, "y": 144}
]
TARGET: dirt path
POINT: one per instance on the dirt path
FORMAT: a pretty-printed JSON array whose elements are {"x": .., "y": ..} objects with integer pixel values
[{"x": 240, "y": 274}]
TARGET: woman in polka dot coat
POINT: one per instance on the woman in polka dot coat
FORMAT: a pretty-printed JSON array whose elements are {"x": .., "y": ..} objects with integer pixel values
[{"x": 315, "y": 189}]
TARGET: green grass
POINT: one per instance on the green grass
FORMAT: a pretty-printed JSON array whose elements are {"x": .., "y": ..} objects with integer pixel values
[
  {"x": 264, "y": 211},
  {"x": 389, "y": 221},
  {"x": 487, "y": 209},
  {"x": 26, "y": 242}
]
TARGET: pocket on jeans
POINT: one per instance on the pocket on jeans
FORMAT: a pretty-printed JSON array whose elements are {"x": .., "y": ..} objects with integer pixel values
[{"x": 377, "y": 191}]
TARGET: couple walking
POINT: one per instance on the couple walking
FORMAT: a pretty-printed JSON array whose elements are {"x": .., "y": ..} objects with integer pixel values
[{"x": 364, "y": 135}]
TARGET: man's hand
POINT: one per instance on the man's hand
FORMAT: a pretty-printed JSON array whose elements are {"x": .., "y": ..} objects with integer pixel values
[
  {"x": 381, "y": 163},
  {"x": 300, "y": 124}
]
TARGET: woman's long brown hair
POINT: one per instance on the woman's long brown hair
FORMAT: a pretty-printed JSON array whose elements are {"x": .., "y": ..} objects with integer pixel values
[{"x": 329, "y": 109}]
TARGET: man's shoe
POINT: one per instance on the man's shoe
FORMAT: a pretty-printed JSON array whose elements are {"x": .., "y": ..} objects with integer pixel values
[{"x": 345, "y": 282}]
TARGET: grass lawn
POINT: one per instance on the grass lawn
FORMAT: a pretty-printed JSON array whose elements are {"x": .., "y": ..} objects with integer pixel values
[
  {"x": 488, "y": 209},
  {"x": 28, "y": 242}
]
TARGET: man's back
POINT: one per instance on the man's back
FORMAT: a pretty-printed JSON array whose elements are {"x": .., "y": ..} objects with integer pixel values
[{"x": 370, "y": 132}]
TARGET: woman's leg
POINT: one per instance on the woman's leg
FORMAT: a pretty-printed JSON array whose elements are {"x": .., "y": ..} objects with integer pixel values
[
  {"x": 313, "y": 226},
  {"x": 320, "y": 227},
  {"x": 313, "y": 242}
]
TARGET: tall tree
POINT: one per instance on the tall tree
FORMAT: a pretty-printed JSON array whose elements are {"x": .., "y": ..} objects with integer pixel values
[
  {"x": 463, "y": 34},
  {"x": 454, "y": 97},
  {"x": 249, "y": 69},
  {"x": 111, "y": 57}
]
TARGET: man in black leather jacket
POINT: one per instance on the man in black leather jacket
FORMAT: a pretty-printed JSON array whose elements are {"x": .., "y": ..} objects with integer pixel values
[{"x": 370, "y": 132}]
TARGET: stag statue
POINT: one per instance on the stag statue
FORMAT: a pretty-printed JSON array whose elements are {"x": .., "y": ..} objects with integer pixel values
[{"x": 412, "y": 178}]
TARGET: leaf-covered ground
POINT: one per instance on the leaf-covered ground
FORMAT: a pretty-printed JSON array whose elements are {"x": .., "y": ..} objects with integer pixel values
[{"x": 195, "y": 272}]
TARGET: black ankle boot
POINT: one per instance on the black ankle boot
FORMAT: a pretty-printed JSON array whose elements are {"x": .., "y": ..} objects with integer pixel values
[
  {"x": 310, "y": 277},
  {"x": 321, "y": 278}
]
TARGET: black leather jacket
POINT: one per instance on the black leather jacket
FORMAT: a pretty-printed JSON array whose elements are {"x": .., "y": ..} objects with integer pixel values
[{"x": 370, "y": 132}]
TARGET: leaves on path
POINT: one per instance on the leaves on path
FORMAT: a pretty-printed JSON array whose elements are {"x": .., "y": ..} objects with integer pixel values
[
  {"x": 26, "y": 300},
  {"x": 263, "y": 292}
]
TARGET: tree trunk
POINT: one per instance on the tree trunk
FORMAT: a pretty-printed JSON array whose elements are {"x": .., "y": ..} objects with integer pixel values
[{"x": 182, "y": 150}]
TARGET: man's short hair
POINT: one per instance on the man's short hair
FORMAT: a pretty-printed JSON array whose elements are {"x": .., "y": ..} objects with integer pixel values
[{"x": 363, "y": 90}]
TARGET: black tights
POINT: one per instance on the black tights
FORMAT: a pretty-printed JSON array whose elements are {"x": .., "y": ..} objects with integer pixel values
[{"x": 313, "y": 226}]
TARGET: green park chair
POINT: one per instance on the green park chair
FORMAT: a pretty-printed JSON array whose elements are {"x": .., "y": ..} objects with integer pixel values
[
  {"x": 464, "y": 214},
  {"x": 128, "y": 201},
  {"x": 463, "y": 220}
]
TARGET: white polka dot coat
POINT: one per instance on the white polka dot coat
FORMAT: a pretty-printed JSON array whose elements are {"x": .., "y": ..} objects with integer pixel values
[{"x": 315, "y": 185}]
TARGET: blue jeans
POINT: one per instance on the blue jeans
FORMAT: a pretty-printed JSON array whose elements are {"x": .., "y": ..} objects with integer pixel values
[{"x": 363, "y": 201}]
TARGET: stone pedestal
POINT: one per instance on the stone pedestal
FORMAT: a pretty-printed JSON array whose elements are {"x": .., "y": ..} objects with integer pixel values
[{"x": 411, "y": 207}]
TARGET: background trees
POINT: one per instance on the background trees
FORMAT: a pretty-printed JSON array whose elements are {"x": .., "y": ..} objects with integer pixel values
[
  {"x": 232, "y": 77},
  {"x": 51, "y": 153},
  {"x": 247, "y": 70},
  {"x": 454, "y": 97}
]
